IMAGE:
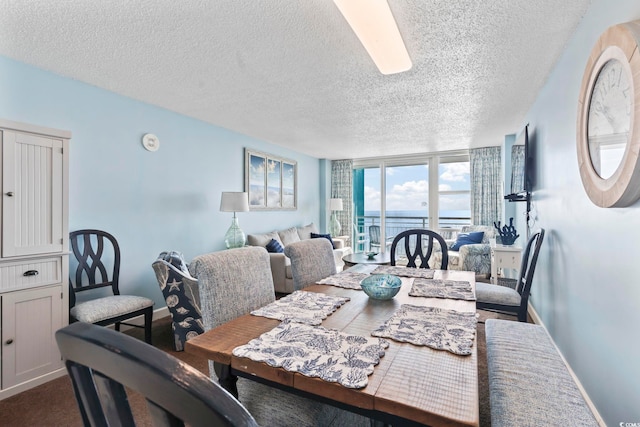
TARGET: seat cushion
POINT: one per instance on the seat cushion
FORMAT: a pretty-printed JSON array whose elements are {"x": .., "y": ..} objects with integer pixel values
[
  {"x": 99, "y": 309},
  {"x": 494, "y": 294}
]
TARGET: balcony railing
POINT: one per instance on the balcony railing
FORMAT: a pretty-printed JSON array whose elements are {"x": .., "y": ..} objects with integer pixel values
[{"x": 449, "y": 226}]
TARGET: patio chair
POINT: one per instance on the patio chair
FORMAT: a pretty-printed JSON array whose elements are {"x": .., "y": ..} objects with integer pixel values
[
  {"x": 102, "y": 362},
  {"x": 233, "y": 283},
  {"x": 374, "y": 238},
  {"x": 419, "y": 244},
  {"x": 505, "y": 299}
]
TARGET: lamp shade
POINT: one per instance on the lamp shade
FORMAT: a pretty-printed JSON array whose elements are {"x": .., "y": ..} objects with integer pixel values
[
  {"x": 335, "y": 204},
  {"x": 234, "y": 202}
]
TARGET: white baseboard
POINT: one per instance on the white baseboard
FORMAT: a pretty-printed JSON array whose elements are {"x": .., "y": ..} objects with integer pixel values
[{"x": 536, "y": 319}]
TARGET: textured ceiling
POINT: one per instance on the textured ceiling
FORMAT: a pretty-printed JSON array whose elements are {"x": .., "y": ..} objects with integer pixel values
[{"x": 293, "y": 73}]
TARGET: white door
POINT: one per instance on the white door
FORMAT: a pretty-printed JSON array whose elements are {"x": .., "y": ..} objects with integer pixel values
[
  {"x": 32, "y": 194},
  {"x": 29, "y": 321}
]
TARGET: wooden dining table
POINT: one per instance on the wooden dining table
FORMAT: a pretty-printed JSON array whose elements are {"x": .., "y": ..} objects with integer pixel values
[{"x": 411, "y": 385}]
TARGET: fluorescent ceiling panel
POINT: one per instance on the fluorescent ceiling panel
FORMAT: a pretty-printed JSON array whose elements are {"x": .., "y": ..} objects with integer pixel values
[{"x": 373, "y": 23}]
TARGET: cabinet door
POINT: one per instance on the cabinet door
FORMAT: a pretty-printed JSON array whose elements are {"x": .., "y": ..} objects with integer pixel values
[
  {"x": 29, "y": 321},
  {"x": 32, "y": 193}
]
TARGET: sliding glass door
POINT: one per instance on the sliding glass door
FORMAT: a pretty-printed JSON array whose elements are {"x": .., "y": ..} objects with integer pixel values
[{"x": 396, "y": 194}]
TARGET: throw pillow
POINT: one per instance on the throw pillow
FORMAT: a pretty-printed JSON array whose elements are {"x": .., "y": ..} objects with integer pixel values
[
  {"x": 288, "y": 236},
  {"x": 274, "y": 246},
  {"x": 305, "y": 232},
  {"x": 325, "y": 236},
  {"x": 467, "y": 239}
]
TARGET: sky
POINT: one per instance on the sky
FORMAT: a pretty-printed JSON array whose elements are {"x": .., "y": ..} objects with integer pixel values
[{"x": 407, "y": 187}]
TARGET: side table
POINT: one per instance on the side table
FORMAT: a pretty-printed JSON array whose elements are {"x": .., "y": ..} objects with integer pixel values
[
  {"x": 504, "y": 257},
  {"x": 361, "y": 258}
]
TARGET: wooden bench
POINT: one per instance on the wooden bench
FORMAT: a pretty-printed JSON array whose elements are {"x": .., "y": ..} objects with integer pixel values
[{"x": 529, "y": 384}]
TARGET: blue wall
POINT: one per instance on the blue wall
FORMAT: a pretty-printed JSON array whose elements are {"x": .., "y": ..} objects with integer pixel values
[
  {"x": 587, "y": 286},
  {"x": 165, "y": 200}
]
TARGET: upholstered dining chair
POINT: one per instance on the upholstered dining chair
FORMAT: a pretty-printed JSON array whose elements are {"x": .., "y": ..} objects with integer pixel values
[
  {"x": 180, "y": 291},
  {"x": 97, "y": 265},
  {"x": 505, "y": 299},
  {"x": 417, "y": 245},
  {"x": 311, "y": 261},
  {"x": 233, "y": 283},
  {"x": 102, "y": 362}
]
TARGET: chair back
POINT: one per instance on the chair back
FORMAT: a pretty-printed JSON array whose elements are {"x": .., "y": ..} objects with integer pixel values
[
  {"x": 418, "y": 246},
  {"x": 311, "y": 261},
  {"x": 102, "y": 362},
  {"x": 232, "y": 283},
  {"x": 374, "y": 234},
  {"x": 528, "y": 266},
  {"x": 97, "y": 262}
]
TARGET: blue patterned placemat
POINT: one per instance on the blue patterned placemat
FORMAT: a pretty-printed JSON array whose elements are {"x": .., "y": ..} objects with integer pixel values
[
  {"x": 302, "y": 307},
  {"x": 317, "y": 352},
  {"x": 437, "y": 328},
  {"x": 437, "y": 288},
  {"x": 345, "y": 279},
  {"x": 404, "y": 271}
]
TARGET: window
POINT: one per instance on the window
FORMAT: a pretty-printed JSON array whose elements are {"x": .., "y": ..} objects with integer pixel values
[{"x": 399, "y": 193}]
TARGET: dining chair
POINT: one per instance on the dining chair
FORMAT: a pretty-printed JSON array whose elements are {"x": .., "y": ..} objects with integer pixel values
[
  {"x": 418, "y": 245},
  {"x": 505, "y": 299},
  {"x": 374, "y": 238},
  {"x": 102, "y": 362},
  {"x": 97, "y": 265},
  {"x": 233, "y": 283},
  {"x": 311, "y": 261}
]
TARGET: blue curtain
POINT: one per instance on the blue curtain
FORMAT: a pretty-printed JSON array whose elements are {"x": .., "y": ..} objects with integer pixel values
[
  {"x": 342, "y": 188},
  {"x": 486, "y": 185}
]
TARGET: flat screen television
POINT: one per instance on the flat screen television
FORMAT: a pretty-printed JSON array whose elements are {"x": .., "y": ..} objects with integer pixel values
[{"x": 521, "y": 167}]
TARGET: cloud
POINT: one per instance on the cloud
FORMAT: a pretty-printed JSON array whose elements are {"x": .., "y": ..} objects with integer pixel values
[{"x": 458, "y": 172}]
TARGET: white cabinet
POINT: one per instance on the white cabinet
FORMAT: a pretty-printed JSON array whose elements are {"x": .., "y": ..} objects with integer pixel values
[
  {"x": 34, "y": 249},
  {"x": 29, "y": 321}
]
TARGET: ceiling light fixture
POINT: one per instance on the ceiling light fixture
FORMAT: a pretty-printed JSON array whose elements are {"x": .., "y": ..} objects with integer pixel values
[{"x": 373, "y": 23}]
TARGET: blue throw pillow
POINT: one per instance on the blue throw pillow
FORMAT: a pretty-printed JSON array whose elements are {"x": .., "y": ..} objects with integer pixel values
[
  {"x": 326, "y": 236},
  {"x": 274, "y": 246},
  {"x": 467, "y": 239}
]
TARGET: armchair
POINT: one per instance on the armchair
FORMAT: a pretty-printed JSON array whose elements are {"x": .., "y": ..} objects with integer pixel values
[{"x": 473, "y": 257}]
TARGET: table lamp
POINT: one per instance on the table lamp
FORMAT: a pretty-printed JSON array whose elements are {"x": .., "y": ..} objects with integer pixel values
[
  {"x": 234, "y": 202},
  {"x": 334, "y": 225}
]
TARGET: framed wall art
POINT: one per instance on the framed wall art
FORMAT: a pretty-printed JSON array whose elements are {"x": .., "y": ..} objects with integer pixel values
[{"x": 271, "y": 181}]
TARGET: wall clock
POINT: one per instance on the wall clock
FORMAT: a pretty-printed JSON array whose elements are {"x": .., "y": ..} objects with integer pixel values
[{"x": 608, "y": 134}]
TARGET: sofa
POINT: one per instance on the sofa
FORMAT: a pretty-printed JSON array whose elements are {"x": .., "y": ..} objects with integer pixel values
[
  {"x": 470, "y": 257},
  {"x": 280, "y": 264}
]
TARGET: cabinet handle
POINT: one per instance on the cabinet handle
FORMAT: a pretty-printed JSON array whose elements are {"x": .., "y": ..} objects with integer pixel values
[
  {"x": 10, "y": 194},
  {"x": 9, "y": 341},
  {"x": 30, "y": 273}
]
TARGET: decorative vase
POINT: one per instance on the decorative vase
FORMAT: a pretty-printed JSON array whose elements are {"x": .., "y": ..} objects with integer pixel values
[
  {"x": 334, "y": 225},
  {"x": 235, "y": 237}
]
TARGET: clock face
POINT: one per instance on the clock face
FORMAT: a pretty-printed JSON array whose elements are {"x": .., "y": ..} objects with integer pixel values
[{"x": 609, "y": 118}]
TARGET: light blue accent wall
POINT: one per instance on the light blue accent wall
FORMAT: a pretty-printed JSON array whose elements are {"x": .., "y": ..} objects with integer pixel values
[
  {"x": 151, "y": 201},
  {"x": 587, "y": 285}
]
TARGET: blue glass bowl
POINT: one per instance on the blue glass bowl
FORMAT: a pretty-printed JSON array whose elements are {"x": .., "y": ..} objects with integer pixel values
[{"x": 381, "y": 286}]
